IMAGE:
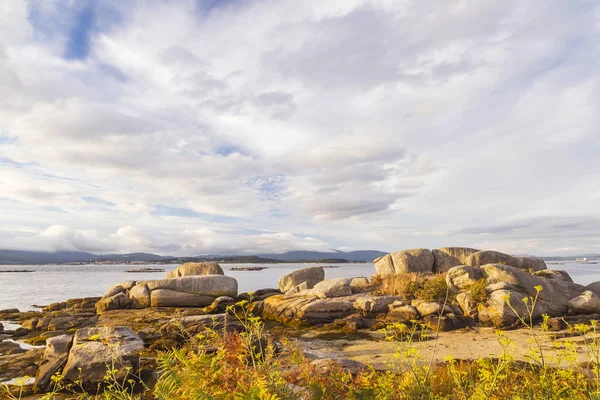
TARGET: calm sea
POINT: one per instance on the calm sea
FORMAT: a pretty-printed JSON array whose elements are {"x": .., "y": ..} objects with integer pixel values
[{"x": 52, "y": 283}]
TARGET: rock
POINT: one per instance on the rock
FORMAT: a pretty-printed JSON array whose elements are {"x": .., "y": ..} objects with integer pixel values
[
  {"x": 116, "y": 302},
  {"x": 205, "y": 285},
  {"x": 140, "y": 296},
  {"x": 311, "y": 276},
  {"x": 448, "y": 257},
  {"x": 324, "y": 311},
  {"x": 384, "y": 265},
  {"x": 463, "y": 277},
  {"x": 554, "y": 274},
  {"x": 7, "y": 348},
  {"x": 195, "y": 269},
  {"x": 62, "y": 323},
  {"x": 497, "y": 312},
  {"x": 20, "y": 365},
  {"x": 113, "y": 290},
  {"x": 1, "y": 327},
  {"x": 359, "y": 285},
  {"x": 55, "y": 358},
  {"x": 533, "y": 263},
  {"x": 413, "y": 260},
  {"x": 297, "y": 289},
  {"x": 219, "y": 305},
  {"x": 95, "y": 349},
  {"x": 585, "y": 303},
  {"x": 495, "y": 257},
  {"x": 30, "y": 324},
  {"x": 259, "y": 295},
  {"x": 594, "y": 287},
  {"x": 325, "y": 365},
  {"x": 400, "y": 311},
  {"x": 430, "y": 307},
  {"x": 173, "y": 298},
  {"x": 468, "y": 307},
  {"x": 337, "y": 287},
  {"x": 374, "y": 304}
]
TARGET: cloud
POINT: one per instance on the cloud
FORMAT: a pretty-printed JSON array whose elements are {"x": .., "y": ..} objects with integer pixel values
[{"x": 246, "y": 125}]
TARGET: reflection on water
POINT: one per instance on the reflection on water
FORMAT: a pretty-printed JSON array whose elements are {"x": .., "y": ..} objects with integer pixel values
[{"x": 52, "y": 283}]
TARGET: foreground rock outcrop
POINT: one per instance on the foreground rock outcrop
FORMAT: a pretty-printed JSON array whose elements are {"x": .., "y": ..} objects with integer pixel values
[{"x": 91, "y": 353}]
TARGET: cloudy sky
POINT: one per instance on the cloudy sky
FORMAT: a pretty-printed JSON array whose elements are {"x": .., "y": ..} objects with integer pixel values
[{"x": 252, "y": 126}]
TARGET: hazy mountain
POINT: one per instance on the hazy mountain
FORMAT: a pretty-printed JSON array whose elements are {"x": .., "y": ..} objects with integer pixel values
[
  {"x": 35, "y": 257},
  {"x": 359, "y": 255}
]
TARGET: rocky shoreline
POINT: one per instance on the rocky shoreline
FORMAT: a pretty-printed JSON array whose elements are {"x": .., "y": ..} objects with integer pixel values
[{"x": 451, "y": 291}]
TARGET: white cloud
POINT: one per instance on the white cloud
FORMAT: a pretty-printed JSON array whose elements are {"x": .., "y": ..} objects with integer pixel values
[{"x": 259, "y": 127}]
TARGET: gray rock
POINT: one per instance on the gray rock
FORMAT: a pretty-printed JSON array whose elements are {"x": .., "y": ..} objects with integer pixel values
[
  {"x": 533, "y": 263},
  {"x": 337, "y": 287},
  {"x": 140, "y": 296},
  {"x": 96, "y": 349},
  {"x": 467, "y": 305},
  {"x": 117, "y": 302},
  {"x": 400, "y": 311},
  {"x": 463, "y": 277},
  {"x": 585, "y": 303},
  {"x": 205, "y": 285},
  {"x": 173, "y": 298},
  {"x": 219, "y": 305},
  {"x": 594, "y": 287},
  {"x": 9, "y": 348},
  {"x": 554, "y": 274},
  {"x": 430, "y": 308},
  {"x": 374, "y": 304},
  {"x": 311, "y": 276},
  {"x": 55, "y": 358},
  {"x": 497, "y": 312},
  {"x": 448, "y": 257},
  {"x": 360, "y": 285},
  {"x": 195, "y": 269},
  {"x": 413, "y": 260},
  {"x": 297, "y": 289},
  {"x": 113, "y": 290},
  {"x": 324, "y": 310},
  {"x": 325, "y": 365}
]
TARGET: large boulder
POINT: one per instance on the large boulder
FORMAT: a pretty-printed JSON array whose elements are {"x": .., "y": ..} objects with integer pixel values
[
  {"x": 368, "y": 304},
  {"x": 594, "y": 287},
  {"x": 96, "y": 349},
  {"x": 311, "y": 276},
  {"x": 55, "y": 358},
  {"x": 448, "y": 257},
  {"x": 554, "y": 274},
  {"x": 173, "y": 298},
  {"x": 116, "y": 302},
  {"x": 495, "y": 257},
  {"x": 585, "y": 303},
  {"x": 193, "y": 269},
  {"x": 336, "y": 287},
  {"x": 140, "y": 296},
  {"x": 413, "y": 260},
  {"x": 206, "y": 285},
  {"x": 463, "y": 277}
]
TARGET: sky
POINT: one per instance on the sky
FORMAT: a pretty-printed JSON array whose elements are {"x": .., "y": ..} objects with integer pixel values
[{"x": 256, "y": 126}]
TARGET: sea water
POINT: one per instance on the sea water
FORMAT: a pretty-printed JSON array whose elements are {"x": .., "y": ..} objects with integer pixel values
[{"x": 54, "y": 283}]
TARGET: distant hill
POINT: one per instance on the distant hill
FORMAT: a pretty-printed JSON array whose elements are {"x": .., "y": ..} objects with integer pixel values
[
  {"x": 61, "y": 257},
  {"x": 353, "y": 256}
]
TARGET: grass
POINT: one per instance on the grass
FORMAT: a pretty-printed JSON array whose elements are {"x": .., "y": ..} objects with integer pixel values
[{"x": 412, "y": 286}]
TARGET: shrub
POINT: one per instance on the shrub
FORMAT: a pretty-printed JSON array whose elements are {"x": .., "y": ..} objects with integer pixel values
[
  {"x": 478, "y": 292},
  {"x": 433, "y": 289},
  {"x": 413, "y": 286}
]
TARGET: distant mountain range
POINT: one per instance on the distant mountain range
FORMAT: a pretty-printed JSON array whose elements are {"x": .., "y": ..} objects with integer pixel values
[{"x": 64, "y": 257}]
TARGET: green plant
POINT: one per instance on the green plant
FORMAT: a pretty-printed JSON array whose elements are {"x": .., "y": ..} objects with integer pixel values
[{"x": 478, "y": 292}]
